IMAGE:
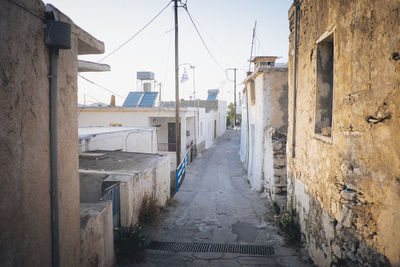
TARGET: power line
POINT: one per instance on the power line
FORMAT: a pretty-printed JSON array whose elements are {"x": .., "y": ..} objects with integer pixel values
[
  {"x": 136, "y": 34},
  {"x": 102, "y": 87},
  {"x": 202, "y": 40},
  {"x": 165, "y": 74},
  {"x": 217, "y": 43}
]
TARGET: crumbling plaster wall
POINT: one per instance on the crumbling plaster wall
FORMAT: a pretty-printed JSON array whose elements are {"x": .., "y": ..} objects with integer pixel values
[
  {"x": 268, "y": 114},
  {"x": 346, "y": 188},
  {"x": 24, "y": 138},
  {"x": 153, "y": 181},
  {"x": 24, "y": 141},
  {"x": 275, "y": 111},
  {"x": 97, "y": 246}
]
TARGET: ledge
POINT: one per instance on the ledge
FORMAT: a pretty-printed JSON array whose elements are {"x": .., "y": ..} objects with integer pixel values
[
  {"x": 325, "y": 139},
  {"x": 87, "y": 66}
]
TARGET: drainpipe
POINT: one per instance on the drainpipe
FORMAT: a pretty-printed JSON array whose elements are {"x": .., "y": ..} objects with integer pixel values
[
  {"x": 296, "y": 4},
  {"x": 54, "y": 157},
  {"x": 58, "y": 36}
]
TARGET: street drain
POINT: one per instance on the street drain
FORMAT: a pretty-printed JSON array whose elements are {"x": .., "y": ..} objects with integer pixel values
[{"x": 209, "y": 247}]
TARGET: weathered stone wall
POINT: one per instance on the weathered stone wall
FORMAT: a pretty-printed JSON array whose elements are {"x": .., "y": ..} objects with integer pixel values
[
  {"x": 135, "y": 180},
  {"x": 276, "y": 113},
  {"x": 24, "y": 141},
  {"x": 345, "y": 184},
  {"x": 275, "y": 166}
]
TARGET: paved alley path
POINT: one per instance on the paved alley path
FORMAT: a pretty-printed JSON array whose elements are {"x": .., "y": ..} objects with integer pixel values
[{"x": 216, "y": 205}]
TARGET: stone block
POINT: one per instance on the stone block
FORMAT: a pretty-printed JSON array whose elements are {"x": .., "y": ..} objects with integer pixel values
[
  {"x": 345, "y": 216},
  {"x": 280, "y": 172},
  {"x": 348, "y": 195}
]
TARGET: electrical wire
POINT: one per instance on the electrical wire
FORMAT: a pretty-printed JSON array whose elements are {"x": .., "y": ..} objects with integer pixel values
[
  {"x": 202, "y": 40},
  {"x": 165, "y": 74},
  {"x": 102, "y": 87},
  {"x": 84, "y": 104},
  {"x": 137, "y": 33},
  {"x": 217, "y": 43}
]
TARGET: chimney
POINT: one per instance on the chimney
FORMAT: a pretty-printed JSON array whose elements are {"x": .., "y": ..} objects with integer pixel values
[{"x": 112, "y": 102}]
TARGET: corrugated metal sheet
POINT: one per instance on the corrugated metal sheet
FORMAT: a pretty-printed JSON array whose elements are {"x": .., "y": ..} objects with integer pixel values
[
  {"x": 132, "y": 99},
  {"x": 148, "y": 99}
]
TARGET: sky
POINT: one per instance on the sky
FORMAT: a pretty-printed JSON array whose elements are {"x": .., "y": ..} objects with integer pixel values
[{"x": 225, "y": 25}]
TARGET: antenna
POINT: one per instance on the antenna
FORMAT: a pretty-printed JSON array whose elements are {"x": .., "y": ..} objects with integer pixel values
[{"x": 252, "y": 43}]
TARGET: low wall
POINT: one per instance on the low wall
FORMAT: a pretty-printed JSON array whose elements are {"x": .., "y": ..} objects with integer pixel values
[
  {"x": 153, "y": 181},
  {"x": 96, "y": 235}
]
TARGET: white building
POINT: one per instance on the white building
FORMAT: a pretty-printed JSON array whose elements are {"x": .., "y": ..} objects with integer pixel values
[
  {"x": 162, "y": 119},
  {"x": 264, "y": 127},
  {"x": 211, "y": 120}
]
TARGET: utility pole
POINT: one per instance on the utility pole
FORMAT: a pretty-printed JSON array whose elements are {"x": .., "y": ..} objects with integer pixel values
[
  {"x": 234, "y": 91},
  {"x": 159, "y": 84},
  {"x": 234, "y": 96},
  {"x": 252, "y": 43},
  {"x": 177, "y": 128}
]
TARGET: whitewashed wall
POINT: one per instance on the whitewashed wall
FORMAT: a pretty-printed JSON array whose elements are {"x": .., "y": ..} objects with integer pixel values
[{"x": 134, "y": 140}]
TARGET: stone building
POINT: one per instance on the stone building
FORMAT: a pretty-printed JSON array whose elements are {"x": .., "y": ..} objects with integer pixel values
[
  {"x": 25, "y": 162},
  {"x": 344, "y": 117},
  {"x": 264, "y": 127}
]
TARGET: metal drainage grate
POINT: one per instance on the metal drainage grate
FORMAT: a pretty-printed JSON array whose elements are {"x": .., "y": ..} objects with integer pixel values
[{"x": 209, "y": 247}]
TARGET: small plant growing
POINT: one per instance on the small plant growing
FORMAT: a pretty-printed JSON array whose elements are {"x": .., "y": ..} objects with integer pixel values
[
  {"x": 149, "y": 209},
  {"x": 129, "y": 245},
  {"x": 277, "y": 209},
  {"x": 289, "y": 226}
]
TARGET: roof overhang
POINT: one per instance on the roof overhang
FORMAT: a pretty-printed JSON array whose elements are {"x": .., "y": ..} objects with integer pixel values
[
  {"x": 87, "y": 44},
  {"x": 87, "y": 66}
]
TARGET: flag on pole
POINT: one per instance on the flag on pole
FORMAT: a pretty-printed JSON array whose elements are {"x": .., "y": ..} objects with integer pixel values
[{"x": 184, "y": 77}]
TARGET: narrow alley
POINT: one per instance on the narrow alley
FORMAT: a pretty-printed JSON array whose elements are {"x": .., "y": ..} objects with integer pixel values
[{"x": 216, "y": 205}]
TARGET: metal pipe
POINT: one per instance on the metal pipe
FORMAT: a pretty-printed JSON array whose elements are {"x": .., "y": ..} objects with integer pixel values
[
  {"x": 58, "y": 36},
  {"x": 55, "y": 250},
  {"x": 296, "y": 4}
]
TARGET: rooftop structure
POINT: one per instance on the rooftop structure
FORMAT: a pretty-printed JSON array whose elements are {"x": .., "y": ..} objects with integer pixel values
[{"x": 264, "y": 62}]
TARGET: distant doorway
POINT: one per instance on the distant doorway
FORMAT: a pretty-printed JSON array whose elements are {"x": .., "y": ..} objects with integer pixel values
[{"x": 171, "y": 137}]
